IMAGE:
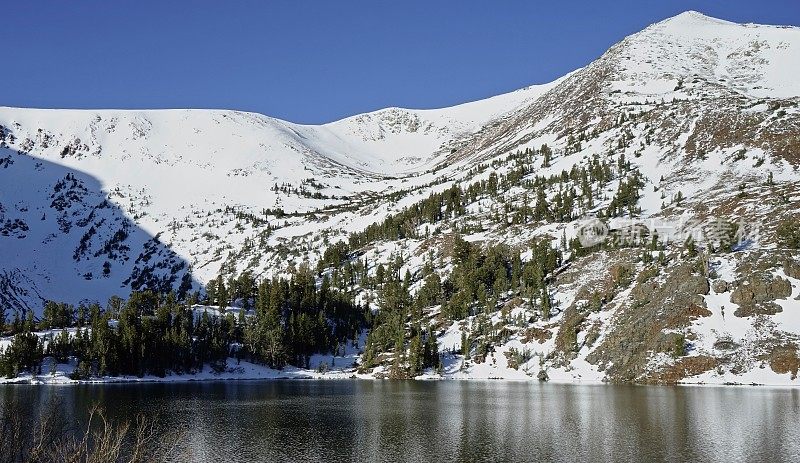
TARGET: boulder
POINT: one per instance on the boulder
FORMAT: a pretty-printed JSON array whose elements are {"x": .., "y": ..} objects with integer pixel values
[
  {"x": 759, "y": 289},
  {"x": 764, "y": 308},
  {"x": 720, "y": 286}
]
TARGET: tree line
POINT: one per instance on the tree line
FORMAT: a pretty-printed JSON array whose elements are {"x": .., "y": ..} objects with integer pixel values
[{"x": 154, "y": 334}]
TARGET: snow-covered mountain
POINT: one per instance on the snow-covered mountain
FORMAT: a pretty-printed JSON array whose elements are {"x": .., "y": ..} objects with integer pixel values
[
  {"x": 704, "y": 111},
  {"x": 177, "y": 175}
]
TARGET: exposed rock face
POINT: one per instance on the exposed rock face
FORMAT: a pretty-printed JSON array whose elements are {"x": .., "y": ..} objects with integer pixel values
[
  {"x": 684, "y": 367},
  {"x": 667, "y": 325},
  {"x": 792, "y": 268},
  {"x": 755, "y": 294},
  {"x": 642, "y": 327},
  {"x": 785, "y": 359},
  {"x": 593, "y": 295},
  {"x": 566, "y": 340}
]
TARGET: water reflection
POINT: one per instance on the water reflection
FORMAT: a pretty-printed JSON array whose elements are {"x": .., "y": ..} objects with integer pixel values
[{"x": 450, "y": 421}]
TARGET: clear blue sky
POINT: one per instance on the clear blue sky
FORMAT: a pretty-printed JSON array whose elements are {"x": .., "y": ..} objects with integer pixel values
[{"x": 314, "y": 61}]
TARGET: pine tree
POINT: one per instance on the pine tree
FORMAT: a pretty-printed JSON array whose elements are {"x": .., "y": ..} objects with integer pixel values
[
  {"x": 416, "y": 356},
  {"x": 547, "y": 154},
  {"x": 546, "y": 304},
  {"x": 222, "y": 294},
  {"x": 431, "y": 349},
  {"x": 29, "y": 325},
  {"x": 542, "y": 210},
  {"x": 185, "y": 286},
  {"x": 16, "y": 323},
  {"x": 398, "y": 366}
]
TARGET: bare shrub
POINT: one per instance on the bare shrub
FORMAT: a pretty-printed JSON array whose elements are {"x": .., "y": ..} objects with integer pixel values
[{"x": 48, "y": 438}]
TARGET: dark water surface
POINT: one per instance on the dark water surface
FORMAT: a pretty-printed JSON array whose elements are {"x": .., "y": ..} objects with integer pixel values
[{"x": 450, "y": 420}]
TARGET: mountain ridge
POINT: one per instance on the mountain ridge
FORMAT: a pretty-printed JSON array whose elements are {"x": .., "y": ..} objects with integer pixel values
[
  {"x": 421, "y": 147},
  {"x": 685, "y": 124}
]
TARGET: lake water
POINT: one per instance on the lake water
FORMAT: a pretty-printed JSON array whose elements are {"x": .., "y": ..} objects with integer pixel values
[{"x": 443, "y": 421}]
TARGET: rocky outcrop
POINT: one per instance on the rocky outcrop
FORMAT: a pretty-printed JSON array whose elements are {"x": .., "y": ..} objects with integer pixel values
[
  {"x": 642, "y": 327},
  {"x": 756, "y": 293},
  {"x": 792, "y": 268},
  {"x": 785, "y": 359},
  {"x": 720, "y": 286},
  {"x": 683, "y": 368}
]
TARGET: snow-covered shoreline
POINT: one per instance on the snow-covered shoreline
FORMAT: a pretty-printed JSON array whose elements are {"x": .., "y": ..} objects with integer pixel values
[{"x": 246, "y": 371}]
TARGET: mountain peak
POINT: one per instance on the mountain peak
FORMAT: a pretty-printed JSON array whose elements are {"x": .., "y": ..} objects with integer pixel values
[
  {"x": 750, "y": 59},
  {"x": 692, "y": 18},
  {"x": 692, "y": 15}
]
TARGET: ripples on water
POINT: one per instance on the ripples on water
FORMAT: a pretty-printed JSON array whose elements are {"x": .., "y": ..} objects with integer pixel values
[{"x": 451, "y": 420}]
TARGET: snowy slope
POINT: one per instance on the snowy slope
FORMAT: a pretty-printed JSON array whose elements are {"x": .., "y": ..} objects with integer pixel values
[
  {"x": 380, "y": 143},
  {"x": 401, "y": 140},
  {"x": 187, "y": 176},
  {"x": 756, "y": 60},
  {"x": 171, "y": 173},
  {"x": 95, "y": 203}
]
